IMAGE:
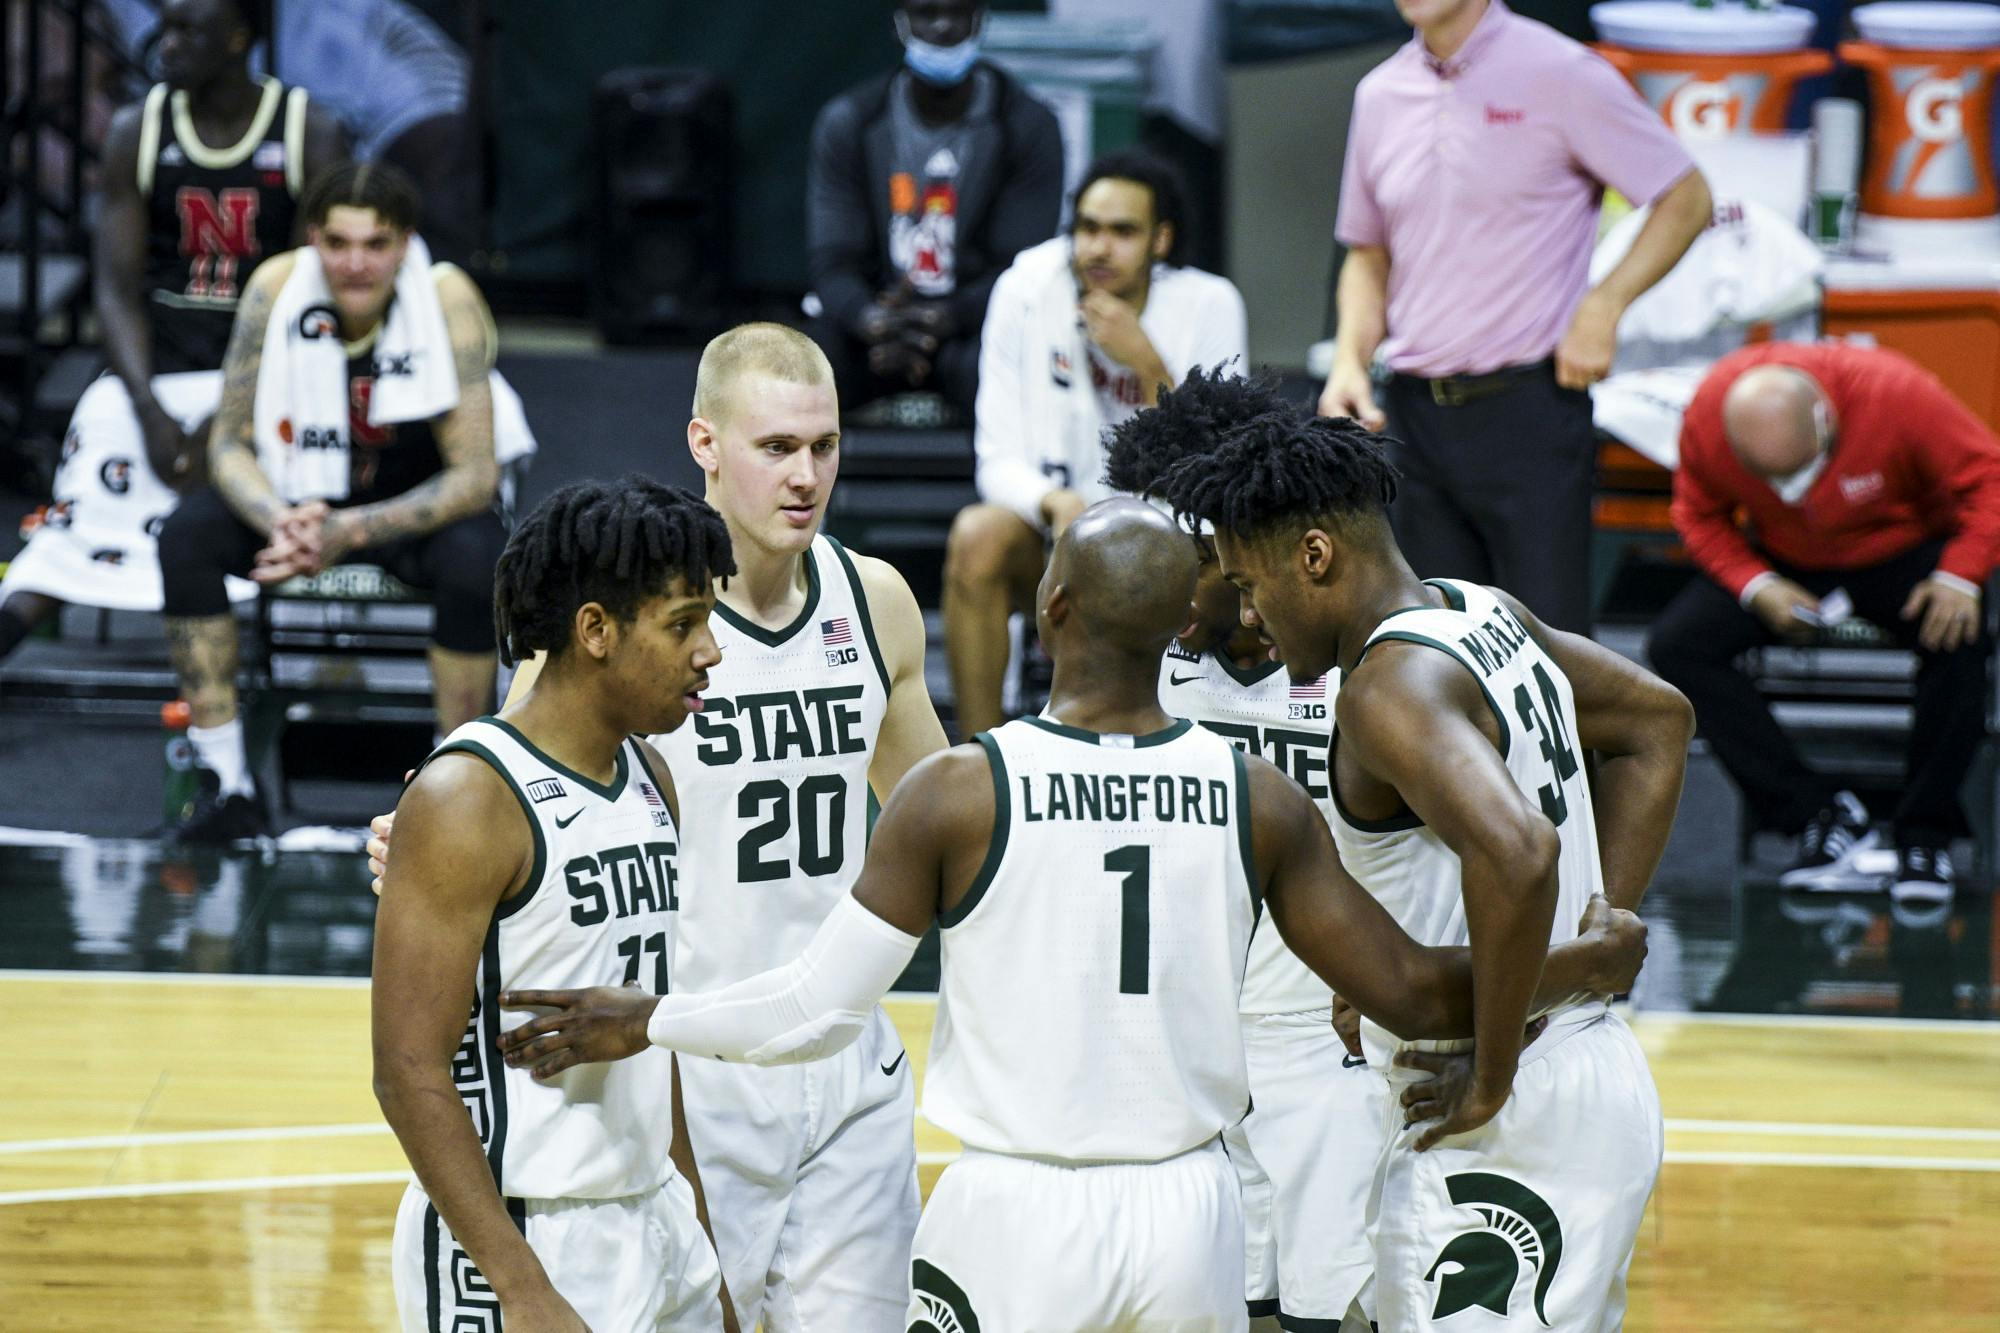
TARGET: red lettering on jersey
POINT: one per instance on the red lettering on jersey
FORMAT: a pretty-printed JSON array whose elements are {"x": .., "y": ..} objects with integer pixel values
[
  {"x": 218, "y": 232},
  {"x": 360, "y": 392}
]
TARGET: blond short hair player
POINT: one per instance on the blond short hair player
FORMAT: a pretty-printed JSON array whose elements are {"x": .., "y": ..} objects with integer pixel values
[{"x": 819, "y": 701}]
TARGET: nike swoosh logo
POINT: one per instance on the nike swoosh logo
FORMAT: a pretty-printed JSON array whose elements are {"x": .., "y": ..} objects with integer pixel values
[
  {"x": 1353, "y": 1061},
  {"x": 892, "y": 1066},
  {"x": 1173, "y": 679},
  {"x": 565, "y": 823}
]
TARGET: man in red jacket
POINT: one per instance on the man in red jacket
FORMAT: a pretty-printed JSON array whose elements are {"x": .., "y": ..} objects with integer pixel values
[{"x": 1859, "y": 473}]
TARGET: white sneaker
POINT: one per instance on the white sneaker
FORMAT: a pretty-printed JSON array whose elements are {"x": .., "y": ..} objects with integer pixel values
[{"x": 1829, "y": 848}]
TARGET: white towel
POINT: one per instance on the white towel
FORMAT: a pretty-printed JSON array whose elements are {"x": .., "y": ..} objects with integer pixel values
[
  {"x": 301, "y": 415},
  {"x": 1073, "y": 415}
]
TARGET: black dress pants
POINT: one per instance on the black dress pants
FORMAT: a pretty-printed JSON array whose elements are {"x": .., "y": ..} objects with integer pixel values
[
  {"x": 1695, "y": 645},
  {"x": 1498, "y": 489}
]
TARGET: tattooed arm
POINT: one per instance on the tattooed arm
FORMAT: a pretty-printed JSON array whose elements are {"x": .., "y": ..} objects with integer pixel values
[
  {"x": 471, "y": 476},
  {"x": 232, "y": 446}
]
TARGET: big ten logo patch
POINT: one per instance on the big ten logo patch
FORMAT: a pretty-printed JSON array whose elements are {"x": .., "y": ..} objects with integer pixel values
[{"x": 837, "y": 638}]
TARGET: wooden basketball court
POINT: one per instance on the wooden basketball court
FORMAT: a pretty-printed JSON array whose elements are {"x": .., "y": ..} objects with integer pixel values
[{"x": 182, "y": 1153}]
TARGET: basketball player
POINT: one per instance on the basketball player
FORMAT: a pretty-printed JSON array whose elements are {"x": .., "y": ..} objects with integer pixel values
[
  {"x": 305, "y": 472},
  {"x": 1097, "y": 873},
  {"x": 536, "y": 847},
  {"x": 820, "y": 701},
  {"x": 1305, "y": 1154},
  {"x": 1462, "y": 803},
  {"x": 201, "y": 185}
]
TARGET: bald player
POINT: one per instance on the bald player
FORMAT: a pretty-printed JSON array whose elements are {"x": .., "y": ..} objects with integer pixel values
[
  {"x": 1097, "y": 873},
  {"x": 1862, "y": 474},
  {"x": 819, "y": 701}
]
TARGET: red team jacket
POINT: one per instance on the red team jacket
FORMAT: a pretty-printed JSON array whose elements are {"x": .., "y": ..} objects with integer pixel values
[{"x": 1910, "y": 463}]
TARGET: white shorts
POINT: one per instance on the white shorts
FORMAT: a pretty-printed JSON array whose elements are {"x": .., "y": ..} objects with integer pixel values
[
  {"x": 811, "y": 1176},
  {"x": 96, "y": 545},
  {"x": 625, "y": 1265},
  {"x": 1026, "y": 1246},
  {"x": 1306, "y": 1157},
  {"x": 1533, "y": 1215}
]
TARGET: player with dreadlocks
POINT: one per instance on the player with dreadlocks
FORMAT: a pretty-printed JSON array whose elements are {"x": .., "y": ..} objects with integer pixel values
[
  {"x": 540, "y": 847},
  {"x": 1305, "y": 1154},
  {"x": 1461, "y": 801}
]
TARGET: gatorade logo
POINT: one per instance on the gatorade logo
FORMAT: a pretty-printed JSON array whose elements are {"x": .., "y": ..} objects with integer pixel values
[
  {"x": 1933, "y": 110},
  {"x": 1703, "y": 109}
]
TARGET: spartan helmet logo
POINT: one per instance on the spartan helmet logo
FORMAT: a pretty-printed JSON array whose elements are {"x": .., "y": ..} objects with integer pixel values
[
  {"x": 1481, "y": 1267},
  {"x": 940, "y": 1304}
]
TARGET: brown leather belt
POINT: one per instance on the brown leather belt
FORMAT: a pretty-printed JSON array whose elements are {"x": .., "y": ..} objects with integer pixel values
[{"x": 1458, "y": 390}]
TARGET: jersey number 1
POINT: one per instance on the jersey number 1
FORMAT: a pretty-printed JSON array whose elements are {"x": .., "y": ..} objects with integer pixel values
[
  {"x": 1135, "y": 945},
  {"x": 1555, "y": 745}
]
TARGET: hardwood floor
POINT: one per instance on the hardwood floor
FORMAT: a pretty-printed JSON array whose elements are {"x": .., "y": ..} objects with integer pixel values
[{"x": 206, "y": 1153}]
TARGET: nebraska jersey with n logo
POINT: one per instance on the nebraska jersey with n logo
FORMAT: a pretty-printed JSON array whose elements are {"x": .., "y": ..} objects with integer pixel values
[
  {"x": 1405, "y": 865},
  {"x": 598, "y": 910},
  {"x": 1261, "y": 712},
  {"x": 773, "y": 776},
  {"x": 213, "y": 215},
  {"x": 1087, "y": 1011}
]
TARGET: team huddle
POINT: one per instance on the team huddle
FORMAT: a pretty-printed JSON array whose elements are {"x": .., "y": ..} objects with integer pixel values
[{"x": 1278, "y": 780}]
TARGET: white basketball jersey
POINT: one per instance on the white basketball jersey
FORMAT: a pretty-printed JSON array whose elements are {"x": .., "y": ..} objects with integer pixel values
[
  {"x": 1407, "y": 866},
  {"x": 1261, "y": 712},
  {"x": 1088, "y": 1007},
  {"x": 598, "y": 910},
  {"x": 774, "y": 777}
]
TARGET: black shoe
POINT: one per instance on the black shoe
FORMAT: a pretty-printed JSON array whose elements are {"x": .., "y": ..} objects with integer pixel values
[
  {"x": 1923, "y": 875},
  {"x": 1828, "y": 847},
  {"x": 212, "y": 817}
]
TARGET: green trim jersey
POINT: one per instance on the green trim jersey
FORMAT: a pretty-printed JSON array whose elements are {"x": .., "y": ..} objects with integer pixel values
[
  {"x": 1262, "y": 712},
  {"x": 774, "y": 777},
  {"x": 1408, "y": 867},
  {"x": 598, "y": 910},
  {"x": 1090, "y": 974}
]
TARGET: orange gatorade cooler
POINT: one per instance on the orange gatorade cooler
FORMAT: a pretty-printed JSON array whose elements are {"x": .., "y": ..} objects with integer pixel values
[
  {"x": 1930, "y": 70},
  {"x": 1711, "y": 72}
]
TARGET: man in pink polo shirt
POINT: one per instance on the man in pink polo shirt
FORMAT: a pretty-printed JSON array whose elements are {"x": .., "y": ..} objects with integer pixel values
[{"x": 1475, "y": 164}]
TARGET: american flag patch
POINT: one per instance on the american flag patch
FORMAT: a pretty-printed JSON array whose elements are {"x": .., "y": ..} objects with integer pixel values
[
  {"x": 652, "y": 797},
  {"x": 1312, "y": 689},
  {"x": 836, "y": 631}
]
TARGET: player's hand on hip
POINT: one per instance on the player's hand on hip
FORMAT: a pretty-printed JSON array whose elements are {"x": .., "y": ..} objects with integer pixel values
[
  {"x": 1948, "y": 617},
  {"x": 1623, "y": 936},
  {"x": 1349, "y": 392},
  {"x": 1347, "y": 1026},
  {"x": 1452, "y": 1096},
  {"x": 544, "y": 1309},
  {"x": 379, "y": 829},
  {"x": 585, "y": 1027},
  {"x": 1583, "y": 357},
  {"x": 1778, "y": 604}
]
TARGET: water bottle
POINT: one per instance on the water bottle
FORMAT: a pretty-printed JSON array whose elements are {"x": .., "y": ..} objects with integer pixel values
[{"x": 183, "y": 773}]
